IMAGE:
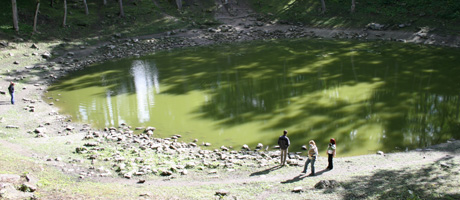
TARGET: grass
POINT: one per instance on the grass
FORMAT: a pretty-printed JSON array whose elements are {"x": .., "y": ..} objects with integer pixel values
[
  {"x": 444, "y": 15},
  {"x": 141, "y": 18}
]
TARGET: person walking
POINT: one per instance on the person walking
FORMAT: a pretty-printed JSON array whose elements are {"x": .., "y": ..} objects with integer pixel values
[
  {"x": 283, "y": 142},
  {"x": 11, "y": 91},
  {"x": 312, "y": 154},
  {"x": 330, "y": 153}
]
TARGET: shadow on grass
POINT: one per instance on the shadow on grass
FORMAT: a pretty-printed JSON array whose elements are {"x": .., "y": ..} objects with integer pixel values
[
  {"x": 434, "y": 181},
  {"x": 266, "y": 171},
  {"x": 302, "y": 176}
]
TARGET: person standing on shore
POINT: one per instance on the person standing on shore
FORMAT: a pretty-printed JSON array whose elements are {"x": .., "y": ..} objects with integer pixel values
[
  {"x": 312, "y": 153},
  {"x": 330, "y": 153},
  {"x": 11, "y": 91},
  {"x": 283, "y": 142}
]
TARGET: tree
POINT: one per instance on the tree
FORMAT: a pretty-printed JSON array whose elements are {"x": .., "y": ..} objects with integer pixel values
[
  {"x": 15, "y": 15},
  {"x": 36, "y": 16},
  {"x": 323, "y": 6},
  {"x": 105, "y": 2},
  {"x": 86, "y": 7},
  {"x": 65, "y": 13},
  {"x": 179, "y": 4},
  {"x": 52, "y": 3},
  {"x": 353, "y": 5},
  {"x": 122, "y": 13}
]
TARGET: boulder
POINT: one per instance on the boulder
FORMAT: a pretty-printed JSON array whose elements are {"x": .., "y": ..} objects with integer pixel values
[
  {"x": 323, "y": 184},
  {"x": 222, "y": 192},
  {"x": 10, "y": 178}
]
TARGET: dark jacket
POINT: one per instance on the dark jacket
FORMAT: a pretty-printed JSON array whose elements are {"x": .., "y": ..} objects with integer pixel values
[
  {"x": 11, "y": 89},
  {"x": 284, "y": 142}
]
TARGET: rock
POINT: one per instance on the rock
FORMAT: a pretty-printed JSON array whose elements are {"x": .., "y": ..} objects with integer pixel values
[
  {"x": 380, "y": 153},
  {"x": 40, "y": 130},
  {"x": 166, "y": 173},
  {"x": 34, "y": 46},
  {"x": 444, "y": 165},
  {"x": 141, "y": 181},
  {"x": 46, "y": 55},
  {"x": 246, "y": 147},
  {"x": 222, "y": 192},
  {"x": 28, "y": 187},
  {"x": 326, "y": 184},
  {"x": 207, "y": 144},
  {"x": 149, "y": 129},
  {"x": 190, "y": 165},
  {"x": 259, "y": 146},
  {"x": 375, "y": 26},
  {"x": 297, "y": 189},
  {"x": 10, "y": 178},
  {"x": 224, "y": 148},
  {"x": 12, "y": 126},
  {"x": 8, "y": 191}
]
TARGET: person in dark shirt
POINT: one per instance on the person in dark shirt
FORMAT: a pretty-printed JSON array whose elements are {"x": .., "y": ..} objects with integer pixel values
[
  {"x": 283, "y": 142},
  {"x": 11, "y": 91}
]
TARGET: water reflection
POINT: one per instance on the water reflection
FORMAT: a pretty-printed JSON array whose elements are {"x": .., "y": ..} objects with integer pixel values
[{"x": 370, "y": 96}]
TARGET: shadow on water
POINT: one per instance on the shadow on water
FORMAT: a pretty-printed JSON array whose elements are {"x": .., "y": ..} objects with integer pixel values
[{"x": 319, "y": 89}]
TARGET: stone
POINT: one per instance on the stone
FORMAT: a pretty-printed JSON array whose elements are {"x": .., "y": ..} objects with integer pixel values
[
  {"x": 46, "y": 55},
  {"x": 224, "y": 148},
  {"x": 246, "y": 147},
  {"x": 10, "y": 178},
  {"x": 222, "y": 192},
  {"x": 40, "y": 130},
  {"x": 12, "y": 126},
  {"x": 28, "y": 187},
  {"x": 297, "y": 189},
  {"x": 34, "y": 46},
  {"x": 166, "y": 173},
  {"x": 380, "y": 153},
  {"x": 259, "y": 146},
  {"x": 375, "y": 26},
  {"x": 8, "y": 191},
  {"x": 323, "y": 184}
]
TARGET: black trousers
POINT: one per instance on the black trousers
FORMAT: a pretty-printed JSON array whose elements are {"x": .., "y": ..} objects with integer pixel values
[{"x": 329, "y": 159}]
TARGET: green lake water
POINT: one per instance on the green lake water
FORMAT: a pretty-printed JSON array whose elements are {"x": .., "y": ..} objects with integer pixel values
[{"x": 369, "y": 96}]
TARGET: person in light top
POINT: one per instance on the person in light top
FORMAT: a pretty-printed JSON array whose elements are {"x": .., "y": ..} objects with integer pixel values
[{"x": 312, "y": 154}]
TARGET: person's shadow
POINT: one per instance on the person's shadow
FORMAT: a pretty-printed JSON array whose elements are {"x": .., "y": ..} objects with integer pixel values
[
  {"x": 5, "y": 102},
  {"x": 302, "y": 176},
  {"x": 266, "y": 171}
]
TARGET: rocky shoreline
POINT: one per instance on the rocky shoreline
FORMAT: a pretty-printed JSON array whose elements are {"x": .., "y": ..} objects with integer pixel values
[{"x": 117, "y": 151}]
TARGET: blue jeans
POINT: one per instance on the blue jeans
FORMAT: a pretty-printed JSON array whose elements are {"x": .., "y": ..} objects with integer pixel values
[
  {"x": 12, "y": 98},
  {"x": 312, "y": 161}
]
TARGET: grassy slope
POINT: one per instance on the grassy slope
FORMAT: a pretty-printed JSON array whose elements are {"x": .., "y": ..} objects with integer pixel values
[
  {"x": 444, "y": 15},
  {"x": 141, "y": 17}
]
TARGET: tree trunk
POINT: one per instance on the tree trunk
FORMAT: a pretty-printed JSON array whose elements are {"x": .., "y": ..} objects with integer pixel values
[
  {"x": 86, "y": 7},
  {"x": 36, "y": 16},
  {"x": 323, "y": 6},
  {"x": 65, "y": 13},
  {"x": 52, "y": 3},
  {"x": 353, "y": 5},
  {"x": 105, "y": 2},
  {"x": 122, "y": 13},
  {"x": 179, "y": 4},
  {"x": 15, "y": 15}
]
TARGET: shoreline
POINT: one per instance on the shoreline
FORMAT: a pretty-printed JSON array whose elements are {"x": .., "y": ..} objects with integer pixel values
[{"x": 116, "y": 155}]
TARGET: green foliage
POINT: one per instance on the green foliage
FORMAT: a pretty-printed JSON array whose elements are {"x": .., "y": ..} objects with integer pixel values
[
  {"x": 442, "y": 14},
  {"x": 142, "y": 17}
]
